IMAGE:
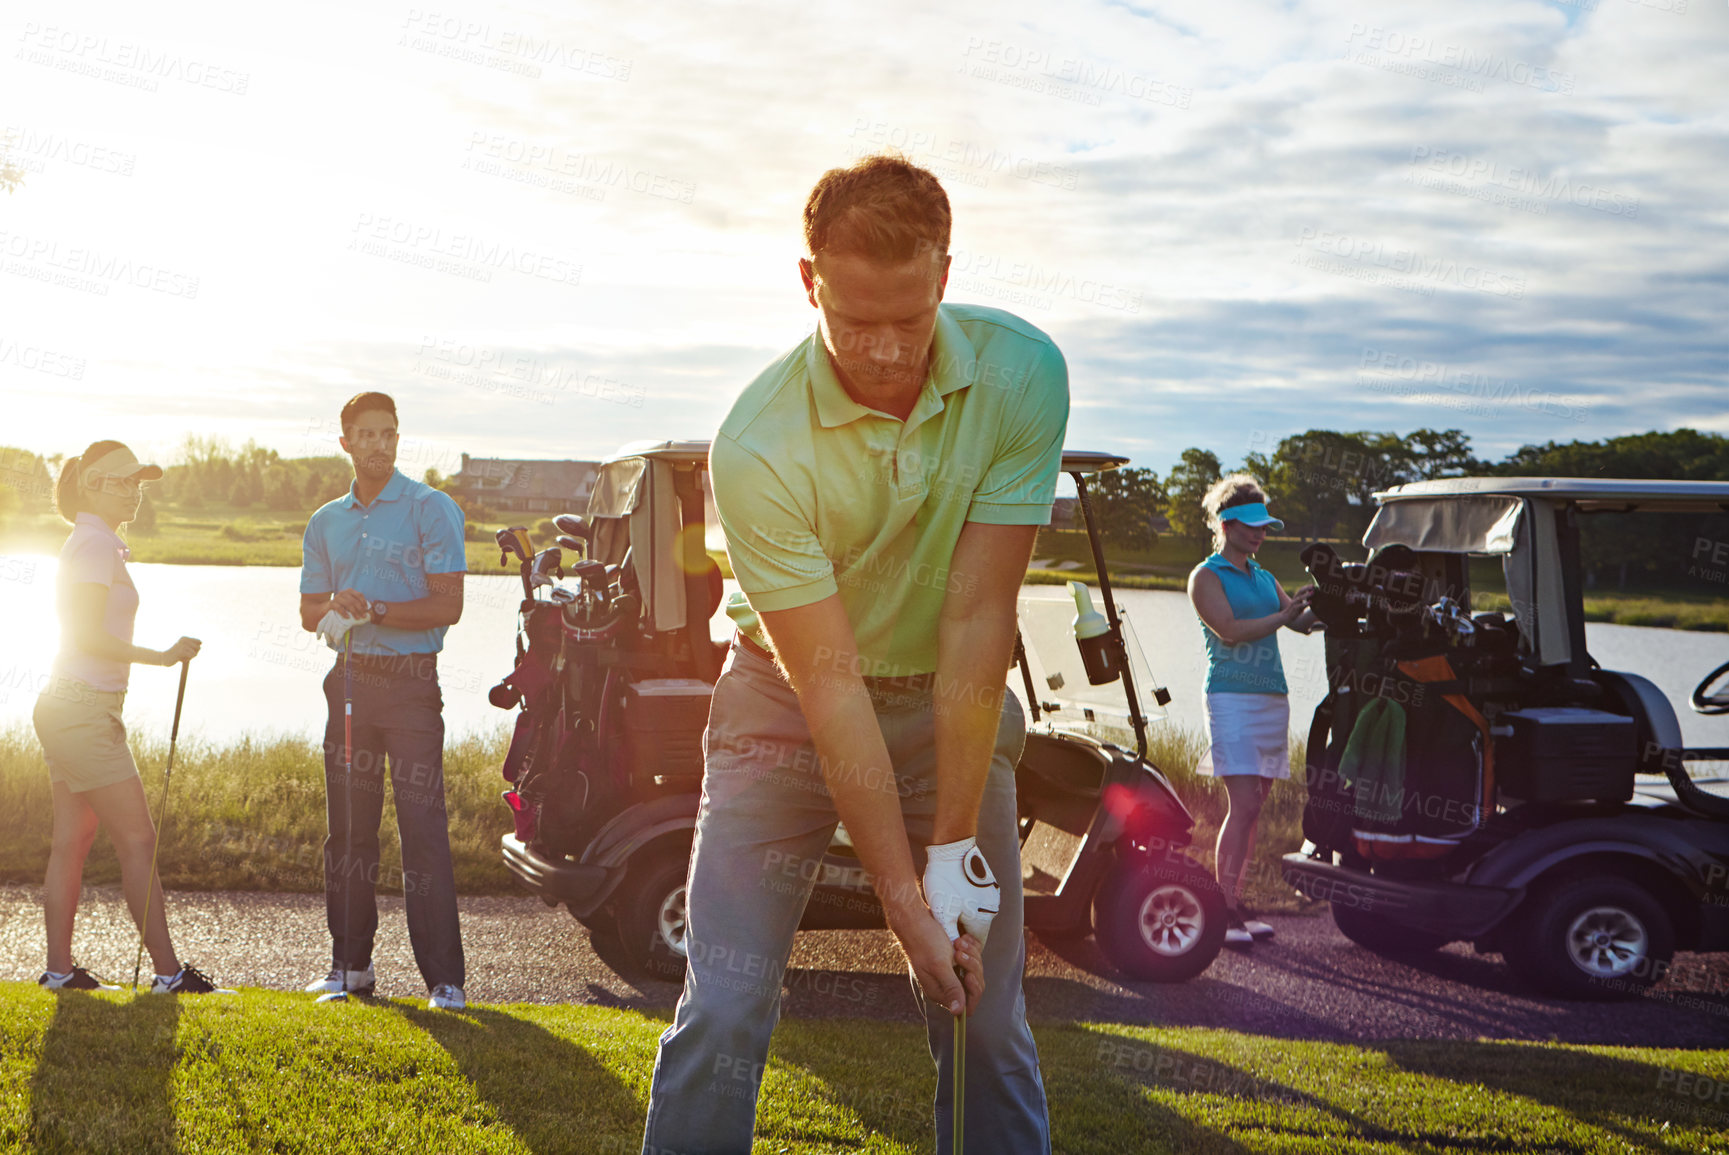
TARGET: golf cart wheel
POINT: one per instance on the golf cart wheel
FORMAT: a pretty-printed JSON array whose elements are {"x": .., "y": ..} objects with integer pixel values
[
  {"x": 1380, "y": 934},
  {"x": 651, "y": 914},
  {"x": 1158, "y": 923},
  {"x": 1598, "y": 937}
]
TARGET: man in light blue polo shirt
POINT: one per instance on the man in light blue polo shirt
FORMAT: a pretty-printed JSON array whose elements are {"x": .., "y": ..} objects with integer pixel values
[{"x": 387, "y": 555}]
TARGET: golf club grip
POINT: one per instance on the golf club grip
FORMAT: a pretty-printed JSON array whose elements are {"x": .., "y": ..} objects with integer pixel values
[{"x": 179, "y": 699}]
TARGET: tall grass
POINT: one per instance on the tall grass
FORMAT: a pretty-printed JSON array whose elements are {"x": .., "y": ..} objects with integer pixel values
[
  {"x": 1176, "y": 750},
  {"x": 249, "y": 815}
]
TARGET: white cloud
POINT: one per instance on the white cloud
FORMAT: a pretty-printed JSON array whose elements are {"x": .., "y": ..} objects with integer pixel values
[{"x": 1215, "y": 208}]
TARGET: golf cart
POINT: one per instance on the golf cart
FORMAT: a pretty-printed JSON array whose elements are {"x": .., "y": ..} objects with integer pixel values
[
  {"x": 1478, "y": 776},
  {"x": 614, "y": 677}
]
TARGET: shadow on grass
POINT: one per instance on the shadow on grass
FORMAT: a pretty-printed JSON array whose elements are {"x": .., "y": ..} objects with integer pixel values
[
  {"x": 1599, "y": 1090},
  {"x": 541, "y": 1085},
  {"x": 1093, "y": 1081},
  {"x": 851, "y": 1058},
  {"x": 103, "y": 1081}
]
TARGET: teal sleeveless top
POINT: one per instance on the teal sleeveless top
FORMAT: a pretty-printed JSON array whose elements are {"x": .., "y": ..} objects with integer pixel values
[{"x": 1251, "y": 667}]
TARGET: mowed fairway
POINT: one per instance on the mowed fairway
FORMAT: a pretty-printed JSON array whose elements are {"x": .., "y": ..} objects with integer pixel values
[{"x": 265, "y": 1071}]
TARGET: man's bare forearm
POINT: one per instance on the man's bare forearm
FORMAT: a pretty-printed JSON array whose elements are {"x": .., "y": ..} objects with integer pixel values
[
  {"x": 862, "y": 783},
  {"x": 973, "y": 656}
]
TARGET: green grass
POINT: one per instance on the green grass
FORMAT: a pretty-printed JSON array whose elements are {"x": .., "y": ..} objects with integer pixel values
[
  {"x": 266, "y": 1071},
  {"x": 249, "y": 815}
]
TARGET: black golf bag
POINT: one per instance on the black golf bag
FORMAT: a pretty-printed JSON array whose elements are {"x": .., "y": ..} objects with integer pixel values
[{"x": 1400, "y": 762}]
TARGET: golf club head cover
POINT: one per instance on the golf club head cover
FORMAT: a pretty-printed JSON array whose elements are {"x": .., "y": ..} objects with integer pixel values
[
  {"x": 333, "y": 625},
  {"x": 962, "y": 892}
]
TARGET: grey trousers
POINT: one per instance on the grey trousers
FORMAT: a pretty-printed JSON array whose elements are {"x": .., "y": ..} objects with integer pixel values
[
  {"x": 765, "y": 822},
  {"x": 399, "y": 726}
]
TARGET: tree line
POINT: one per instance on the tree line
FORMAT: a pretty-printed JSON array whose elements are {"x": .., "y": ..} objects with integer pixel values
[
  {"x": 206, "y": 474},
  {"x": 1321, "y": 484}
]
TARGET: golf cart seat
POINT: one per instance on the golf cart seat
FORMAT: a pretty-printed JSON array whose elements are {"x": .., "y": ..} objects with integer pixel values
[{"x": 1059, "y": 777}]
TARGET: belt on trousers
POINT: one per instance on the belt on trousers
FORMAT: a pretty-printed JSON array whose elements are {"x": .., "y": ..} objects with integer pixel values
[
  {"x": 408, "y": 665},
  {"x": 907, "y": 683}
]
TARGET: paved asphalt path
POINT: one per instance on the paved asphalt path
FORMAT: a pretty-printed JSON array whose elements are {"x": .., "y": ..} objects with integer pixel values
[{"x": 1307, "y": 983}]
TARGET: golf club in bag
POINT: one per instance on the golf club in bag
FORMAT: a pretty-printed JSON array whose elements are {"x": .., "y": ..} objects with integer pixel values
[{"x": 150, "y": 884}]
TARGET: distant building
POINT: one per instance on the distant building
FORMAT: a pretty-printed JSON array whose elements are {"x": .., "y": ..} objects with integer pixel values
[{"x": 512, "y": 486}]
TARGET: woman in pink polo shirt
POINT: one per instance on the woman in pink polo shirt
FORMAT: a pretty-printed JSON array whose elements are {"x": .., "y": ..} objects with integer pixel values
[{"x": 77, "y": 717}]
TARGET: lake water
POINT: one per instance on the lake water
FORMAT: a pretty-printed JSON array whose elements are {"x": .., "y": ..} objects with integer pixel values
[{"x": 260, "y": 673}]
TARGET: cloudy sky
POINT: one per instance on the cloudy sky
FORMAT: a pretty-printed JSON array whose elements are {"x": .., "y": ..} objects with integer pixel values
[{"x": 549, "y": 230}]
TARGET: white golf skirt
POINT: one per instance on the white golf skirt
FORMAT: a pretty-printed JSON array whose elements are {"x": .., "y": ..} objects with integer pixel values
[{"x": 1247, "y": 734}]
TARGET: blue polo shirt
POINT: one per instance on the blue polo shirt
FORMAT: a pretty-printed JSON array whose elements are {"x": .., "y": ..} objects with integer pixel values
[
  {"x": 1250, "y": 667},
  {"x": 385, "y": 550}
]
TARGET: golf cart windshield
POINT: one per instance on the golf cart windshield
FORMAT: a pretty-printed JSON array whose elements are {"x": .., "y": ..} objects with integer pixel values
[
  {"x": 1046, "y": 615},
  {"x": 1518, "y": 531},
  {"x": 634, "y": 508}
]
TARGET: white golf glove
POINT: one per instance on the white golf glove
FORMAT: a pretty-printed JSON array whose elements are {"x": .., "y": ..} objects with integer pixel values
[
  {"x": 332, "y": 626},
  {"x": 962, "y": 892}
]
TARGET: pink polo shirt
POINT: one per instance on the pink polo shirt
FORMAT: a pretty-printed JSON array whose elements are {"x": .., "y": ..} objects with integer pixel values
[{"x": 95, "y": 553}]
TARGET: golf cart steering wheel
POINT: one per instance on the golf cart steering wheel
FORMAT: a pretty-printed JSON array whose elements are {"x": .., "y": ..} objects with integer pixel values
[{"x": 1717, "y": 703}]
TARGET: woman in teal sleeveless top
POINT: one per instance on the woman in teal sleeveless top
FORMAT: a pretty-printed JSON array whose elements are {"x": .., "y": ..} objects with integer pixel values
[{"x": 1241, "y": 607}]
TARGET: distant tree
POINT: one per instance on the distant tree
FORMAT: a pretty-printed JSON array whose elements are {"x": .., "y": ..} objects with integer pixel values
[
  {"x": 1186, "y": 484},
  {"x": 281, "y": 494},
  {"x": 10, "y": 503},
  {"x": 1651, "y": 549},
  {"x": 145, "y": 523},
  {"x": 28, "y": 476},
  {"x": 247, "y": 488},
  {"x": 1125, "y": 501},
  {"x": 1323, "y": 482}
]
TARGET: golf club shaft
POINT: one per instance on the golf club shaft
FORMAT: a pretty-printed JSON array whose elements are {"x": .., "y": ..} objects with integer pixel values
[
  {"x": 348, "y": 803},
  {"x": 959, "y": 1065},
  {"x": 162, "y": 811}
]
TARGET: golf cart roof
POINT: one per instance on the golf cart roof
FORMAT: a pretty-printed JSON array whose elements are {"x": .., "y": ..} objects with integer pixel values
[
  {"x": 1520, "y": 520},
  {"x": 1588, "y": 493},
  {"x": 696, "y": 453},
  {"x": 675, "y": 452},
  {"x": 1091, "y": 461}
]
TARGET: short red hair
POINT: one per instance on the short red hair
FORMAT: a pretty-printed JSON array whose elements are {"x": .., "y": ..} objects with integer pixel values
[{"x": 883, "y": 207}]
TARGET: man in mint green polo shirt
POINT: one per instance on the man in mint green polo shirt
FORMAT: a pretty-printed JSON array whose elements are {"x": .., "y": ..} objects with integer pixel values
[{"x": 880, "y": 487}]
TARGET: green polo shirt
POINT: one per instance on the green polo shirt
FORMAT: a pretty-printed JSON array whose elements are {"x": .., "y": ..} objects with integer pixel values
[{"x": 820, "y": 495}]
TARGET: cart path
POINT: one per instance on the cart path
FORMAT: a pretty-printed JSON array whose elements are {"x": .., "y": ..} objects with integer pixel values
[{"x": 1308, "y": 983}]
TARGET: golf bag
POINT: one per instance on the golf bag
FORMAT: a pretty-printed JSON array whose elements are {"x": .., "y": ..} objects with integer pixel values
[
  {"x": 1400, "y": 762},
  {"x": 554, "y": 764}
]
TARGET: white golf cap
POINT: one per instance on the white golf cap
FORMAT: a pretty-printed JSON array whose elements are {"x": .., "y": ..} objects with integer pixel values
[{"x": 119, "y": 463}]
